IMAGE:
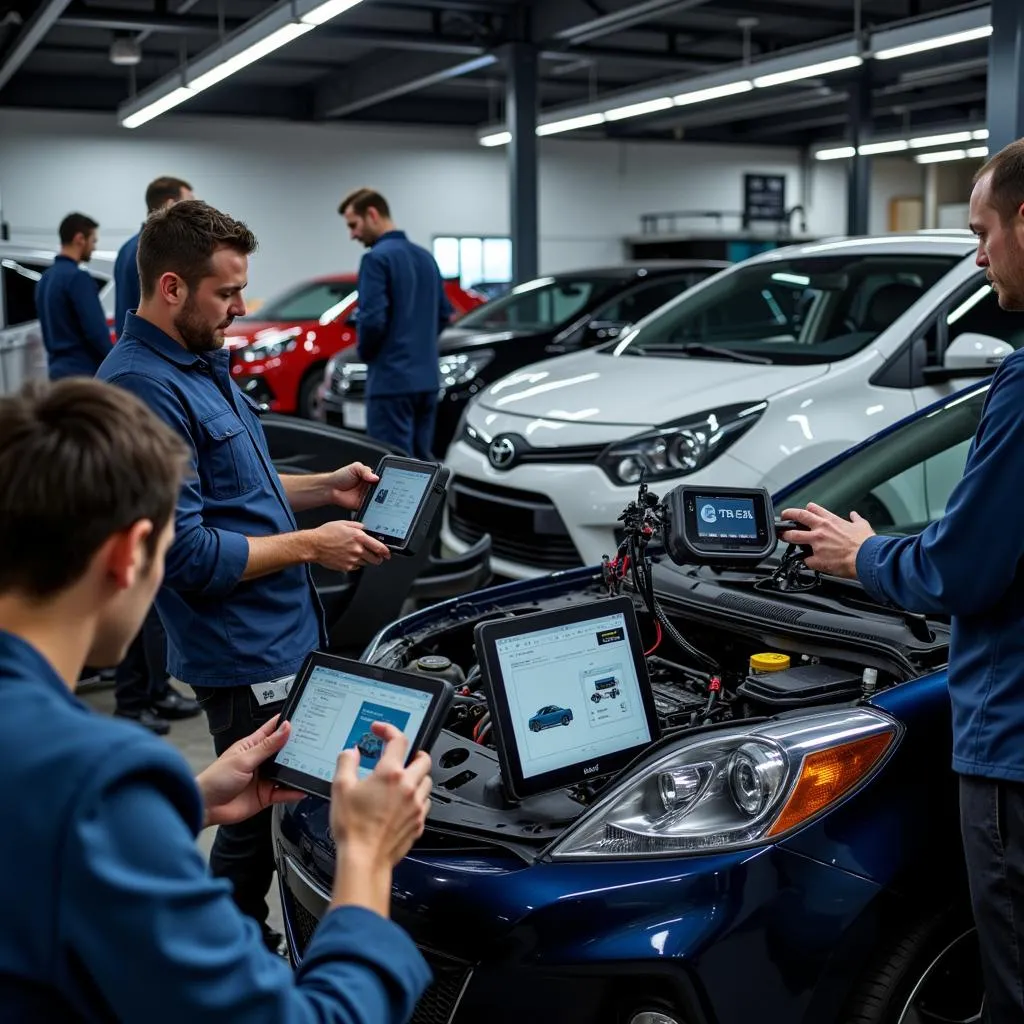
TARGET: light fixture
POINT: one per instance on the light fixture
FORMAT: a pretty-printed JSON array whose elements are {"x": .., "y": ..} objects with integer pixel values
[
  {"x": 157, "y": 107},
  {"x": 893, "y": 146},
  {"x": 981, "y": 133},
  {"x": 715, "y": 92},
  {"x": 326, "y": 11},
  {"x": 570, "y": 124},
  {"x": 838, "y": 153},
  {"x": 967, "y": 36},
  {"x": 947, "y": 155},
  {"x": 639, "y": 109},
  {"x": 901, "y": 145},
  {"x": 496, "y": 139},
  {"x": 249, "y": 55},
  {"x": 949, "y": 139},
  {"x": 825, "y": 67}
]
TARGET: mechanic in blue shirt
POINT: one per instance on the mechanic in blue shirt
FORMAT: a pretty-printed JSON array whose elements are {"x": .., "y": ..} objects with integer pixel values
[
  {"x": 75, "y": 330},
  {"x": 108, "y": 911},
  {"x": 970, "y": 565},
  {"x": 238, "y": 602},
  {"x": 160, "y": 193},
  {"x": 402, "y": 309}
]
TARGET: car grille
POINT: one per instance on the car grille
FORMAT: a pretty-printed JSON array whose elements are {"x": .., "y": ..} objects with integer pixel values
[
  {"x": 525, "y": 527},
  {"x": 439, "y": 1003},
  {"x": 303, "y": 925}
]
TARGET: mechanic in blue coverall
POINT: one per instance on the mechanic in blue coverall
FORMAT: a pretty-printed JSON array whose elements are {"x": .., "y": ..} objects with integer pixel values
[
  {"x": 109, "y": 913},
  {"x": 969, "y": 565},
  {"x": 402, "y": 310}
]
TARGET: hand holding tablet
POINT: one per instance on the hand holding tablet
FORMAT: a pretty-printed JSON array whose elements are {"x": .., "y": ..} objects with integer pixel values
[{"x": 393, "y": 509}]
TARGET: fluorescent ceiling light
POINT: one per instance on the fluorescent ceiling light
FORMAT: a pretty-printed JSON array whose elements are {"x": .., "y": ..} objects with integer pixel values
[
  {"x": 839, "y": 153},
  {"x": 949, "y": 139},
  {"x": 981, "y": 133},
  {"x": 157, "y": 107},
  {"x": 713, "y": 93},
  {"x": 826, "y": 67},
  {"x": 977, "y": 151},
  {"x": 933, "y": 44},
  {"x": 570, "y": 124},
  {"x": 331, "y": 9},
  {"x": 894, "y": 146},
  {"x": 251, "y": 54},
  {"x": 639, "y": 109},
  {"x": 496, "y": 139},
  {"x": 942, "y": 156}
]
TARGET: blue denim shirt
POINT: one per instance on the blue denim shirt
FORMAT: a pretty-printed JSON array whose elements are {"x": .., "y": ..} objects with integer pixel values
[
  {"x": 970, "y": 565},
  {"x": 127, "y": 287},
  {"x": 109, "y": 912},
  {"x": 221, "y": 630}
]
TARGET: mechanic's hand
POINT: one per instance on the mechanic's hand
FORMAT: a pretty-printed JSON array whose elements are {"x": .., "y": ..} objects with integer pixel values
[
  {"x": 377, "y": 819},
  {"x": 834, "y": 541},
  {"x": 347, "y": 486},
  {"x": 343, "y": 546},
  {"x": 230, "y": 787}
]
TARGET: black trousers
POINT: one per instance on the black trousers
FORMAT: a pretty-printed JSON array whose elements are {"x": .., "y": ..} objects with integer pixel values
[
  {"x": 241, "y": 853},
  {"x": 142, "y": 677},
  {"x": 992, "y": 825},
  {"x": 404, "y": 421}
]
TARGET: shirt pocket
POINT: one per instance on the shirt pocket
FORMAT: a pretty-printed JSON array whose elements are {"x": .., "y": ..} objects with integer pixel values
[{"x": 229, "y": 467}]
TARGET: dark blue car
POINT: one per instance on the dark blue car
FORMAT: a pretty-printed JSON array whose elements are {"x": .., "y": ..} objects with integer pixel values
[
  {"x": 549, "y": 716},
  {"x": 788, "y": 854}
]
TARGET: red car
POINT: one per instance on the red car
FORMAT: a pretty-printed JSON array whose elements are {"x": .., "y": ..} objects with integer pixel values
[{"x": 278, "y": 355}]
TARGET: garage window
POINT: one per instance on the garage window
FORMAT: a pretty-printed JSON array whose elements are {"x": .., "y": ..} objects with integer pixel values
[{"x": 476, "y": 262}]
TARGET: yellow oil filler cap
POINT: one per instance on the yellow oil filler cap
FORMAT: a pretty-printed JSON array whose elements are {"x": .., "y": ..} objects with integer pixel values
[{"x": 769, "y": 662}]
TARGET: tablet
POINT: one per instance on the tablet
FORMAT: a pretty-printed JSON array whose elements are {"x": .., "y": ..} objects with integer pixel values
[
  {"x": 394, "y": 507},
  {"x": 331, "y": 707},
  {"x": 569, "y": 694}
]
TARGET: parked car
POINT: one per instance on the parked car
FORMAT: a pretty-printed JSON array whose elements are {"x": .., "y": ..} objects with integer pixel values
[
  {"x": 550, "y": 716},
  {"x": 22, "y": 355},
  {"x": 829, "y": 891},
  {"x": 564, "y": 313},
  {"x": 750, "y": 379},
  {"x": 278, "y": 355}
]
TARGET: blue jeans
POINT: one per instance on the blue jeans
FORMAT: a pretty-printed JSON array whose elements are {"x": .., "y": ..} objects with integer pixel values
[
  {"x": 992, "y": 826},
  {"x": 405, "y": 422}
]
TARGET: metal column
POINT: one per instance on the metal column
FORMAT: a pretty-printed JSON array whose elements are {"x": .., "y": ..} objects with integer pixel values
[
  {"x": 1005, "y": 74},
  {"x": 521, "y": 107},
  {"x": 858, "y": 196}
]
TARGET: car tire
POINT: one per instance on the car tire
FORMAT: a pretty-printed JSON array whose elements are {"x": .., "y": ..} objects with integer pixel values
[
  {"x": 566, "y": 719},
  {"x": 535, "y": 727},
  {"x": 306, "y": 401},
  {"x": 927, "y": 971}
]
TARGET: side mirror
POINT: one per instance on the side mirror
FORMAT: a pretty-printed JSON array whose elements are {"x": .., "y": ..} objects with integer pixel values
[{"x": 969, "y": 355}]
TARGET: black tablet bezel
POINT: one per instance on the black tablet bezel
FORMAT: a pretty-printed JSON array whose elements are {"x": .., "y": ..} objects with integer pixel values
[
  {"x": 488, "y": 633},
  {"x": 441, "y": 692},
  {"x": 686, "y": 546},
  {"x": 431, "y": 470}
]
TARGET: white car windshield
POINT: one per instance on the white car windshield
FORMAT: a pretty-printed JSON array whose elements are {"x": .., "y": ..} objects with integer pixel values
[{"x": 812, "y": 310}]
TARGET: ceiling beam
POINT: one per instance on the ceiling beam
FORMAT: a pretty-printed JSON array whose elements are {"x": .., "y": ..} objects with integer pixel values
[
  {"x": 553, "y": 27},
  {"x": 32, "y": 32},
  {"x": 620, "y": 55},
  {"x": 116, "y": 20}
]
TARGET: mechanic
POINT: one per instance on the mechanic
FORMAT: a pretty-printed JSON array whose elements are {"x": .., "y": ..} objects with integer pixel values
[
  {"x": 75, "y": 331},
  {"x": 968, "y": 565},
  {"x": 142, "y": 689},
  {"x": 402, "y": 310},
  {"x": 238, "y": 601},
  {"x": 109, "y": 912}
]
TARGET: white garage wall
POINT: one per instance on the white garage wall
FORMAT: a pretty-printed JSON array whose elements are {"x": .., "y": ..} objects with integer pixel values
[{"x": 285, "y": 181}]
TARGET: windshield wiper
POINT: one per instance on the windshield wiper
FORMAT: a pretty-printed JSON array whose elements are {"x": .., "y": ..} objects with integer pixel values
[{"x": 716, "y": 352}]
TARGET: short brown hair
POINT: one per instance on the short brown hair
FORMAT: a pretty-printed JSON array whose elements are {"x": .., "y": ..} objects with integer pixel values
[
  {"x": 80, "y": 460},
  {"x": 182, "y": 240},
  {"x": 76, "y": 224},
  {"x": 162, "y": 189},
  {"x": 361, "y": 199},
  {"x": 1006, "y": 189}
]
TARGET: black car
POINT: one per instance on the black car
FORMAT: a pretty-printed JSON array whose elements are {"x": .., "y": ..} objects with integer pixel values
[{"x": 539, "y": 319}]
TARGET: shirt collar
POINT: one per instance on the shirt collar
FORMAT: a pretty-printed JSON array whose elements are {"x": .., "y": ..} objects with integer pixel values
[
  {"x": 396, "y": 234},
  {"x": 20, "y": 660},
  {"x": 66, "y": 259},
  {"x": 164, "y": 345}
]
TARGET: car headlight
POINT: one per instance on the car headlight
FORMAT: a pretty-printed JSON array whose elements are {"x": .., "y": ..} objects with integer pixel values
[
  {"x": 271, "y": 346},
  {"x": 680, "y": 448},
  {"x": 734, "y": 787},
  {"x": 462, "y": 367}
]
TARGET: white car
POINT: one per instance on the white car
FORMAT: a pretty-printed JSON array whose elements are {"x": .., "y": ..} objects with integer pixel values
[
  {"x": 751, "y": 378},
  {"x": 22, "y": 355}
]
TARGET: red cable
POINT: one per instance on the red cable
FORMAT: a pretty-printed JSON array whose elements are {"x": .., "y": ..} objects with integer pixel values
[{"x": 657, "y": 639}]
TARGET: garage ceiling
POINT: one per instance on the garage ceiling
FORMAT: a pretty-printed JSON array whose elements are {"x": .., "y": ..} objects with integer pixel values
[{"x": 430, "y": 61}]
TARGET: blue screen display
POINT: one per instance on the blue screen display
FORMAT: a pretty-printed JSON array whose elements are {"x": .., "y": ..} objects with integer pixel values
[{"x": 726, "y": 518}]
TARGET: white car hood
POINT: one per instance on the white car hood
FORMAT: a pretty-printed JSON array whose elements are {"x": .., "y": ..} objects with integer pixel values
[{"x": 595, "y": 388}]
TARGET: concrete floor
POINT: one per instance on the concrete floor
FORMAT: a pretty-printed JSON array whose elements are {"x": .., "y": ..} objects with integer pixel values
[{"x": 191, "y": 738}]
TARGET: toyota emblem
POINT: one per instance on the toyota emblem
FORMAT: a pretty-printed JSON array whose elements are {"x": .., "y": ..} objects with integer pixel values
[{"x": 501, "y": 453}]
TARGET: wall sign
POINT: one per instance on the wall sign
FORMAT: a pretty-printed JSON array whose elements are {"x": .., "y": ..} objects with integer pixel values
[{"x": 764, "y": 197}]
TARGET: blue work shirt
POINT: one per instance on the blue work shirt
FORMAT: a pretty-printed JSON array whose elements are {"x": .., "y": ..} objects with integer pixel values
[
  {"x": 968, "y": 565},
  {"x": 75, "y": 330},
  {"x": 221, "y": 630},
  {"x": 127, "y": 287},
  {"x": 402, "y": 310},
  {"x": 109, "y": 911}
]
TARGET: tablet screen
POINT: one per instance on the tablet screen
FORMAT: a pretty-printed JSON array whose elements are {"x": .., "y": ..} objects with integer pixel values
[
  {"x": 573, "y": 693},
  {"x": 335, "y": 712},
  {"x": 395, "y": 501}
]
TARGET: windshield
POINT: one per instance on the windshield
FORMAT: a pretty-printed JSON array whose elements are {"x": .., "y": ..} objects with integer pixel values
[
  {"x": 816, "y": 309},
  {"x": 903, "y": 481},
  {"x": 321, "y": 300},
  {"x": 544, "y": 304}
]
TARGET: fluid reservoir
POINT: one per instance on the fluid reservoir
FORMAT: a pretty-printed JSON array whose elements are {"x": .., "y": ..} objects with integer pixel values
[
  {"x": 769, "y": 661},
  {"x": 438, "y": 665}
]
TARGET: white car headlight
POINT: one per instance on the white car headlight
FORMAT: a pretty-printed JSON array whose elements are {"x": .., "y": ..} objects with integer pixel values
[
  {"x": 734, "y": 787},
  {"x": 268, "y": 345},
  {"x": 462, "y": 367}
]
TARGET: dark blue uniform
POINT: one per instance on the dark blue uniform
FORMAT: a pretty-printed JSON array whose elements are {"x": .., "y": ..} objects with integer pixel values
[{"x": 127, "y": 287}]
